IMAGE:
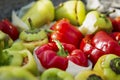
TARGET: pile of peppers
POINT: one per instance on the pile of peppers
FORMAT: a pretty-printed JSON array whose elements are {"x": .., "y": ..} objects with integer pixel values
[
  {"x": 60, "y": 52},
  {"x": 66, "y": 45}
]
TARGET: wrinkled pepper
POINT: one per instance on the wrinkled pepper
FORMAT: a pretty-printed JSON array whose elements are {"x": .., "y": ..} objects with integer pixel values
[
  {"x": 106, "y": 43},
  {"x": 90, "y": 51},
  {"x": 96, "y": 45},
  {"x": 66, "y": 32},
  {"x": 17, "y": 55},
  {"x": 108, "y": 66},
  {"x": 15, "y": 73},
  {"x": 89, "y": 75},
  {"x": 56, "y": 74},
  {"x": 56, "y": 54}
]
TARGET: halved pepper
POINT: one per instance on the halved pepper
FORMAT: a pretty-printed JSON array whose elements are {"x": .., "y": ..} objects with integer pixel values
[
  {"x": 58, "y": 54},
  {"x": 56, "y": 74},
  {"x": 66, "y": 32},
  {"x": 108, "y": 66}
]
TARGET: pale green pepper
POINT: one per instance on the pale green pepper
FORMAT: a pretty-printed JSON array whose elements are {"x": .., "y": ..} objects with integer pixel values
[
  {"x": 41, "y": 12},
  {"x": 33, "y": 38},
  {"x": 18, "y": 55},
  {"x": 95, "y": 21},
  {"x": 5, "y": 41},
  {"x": 15, "y": 73},
  {"x": 56, "y": 74}
]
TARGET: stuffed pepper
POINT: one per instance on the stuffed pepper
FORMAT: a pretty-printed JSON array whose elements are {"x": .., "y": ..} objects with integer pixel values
[
  {"x": 18, "y": 55},
  {"x": 33, "y": 37}
]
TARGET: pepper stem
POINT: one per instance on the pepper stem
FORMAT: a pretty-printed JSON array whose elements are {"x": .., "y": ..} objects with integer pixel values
[
  {"x": 30, "y": 22},
  {"x": 115, "y": 65},
  {"x": 61, "y": 51},
  {"x": 94, "y": 77}
]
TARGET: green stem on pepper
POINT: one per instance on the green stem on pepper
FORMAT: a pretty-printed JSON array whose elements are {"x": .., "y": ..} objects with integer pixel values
[
  {"x": 115, "y": 65},
  {"x": 61, "y": 51}
]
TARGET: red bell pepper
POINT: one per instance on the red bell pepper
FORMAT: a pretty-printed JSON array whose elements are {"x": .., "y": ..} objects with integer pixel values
[
  {"x": 66, "y": 32},
  {"x": 116, "y": 24},
  {"x": 7, "y": 27},
  {"x": 91, "y": 52},
  {"x": 106, "y": 43},
  {"x": 116, "y": 36},
  {"x": 58, "y": 54}
]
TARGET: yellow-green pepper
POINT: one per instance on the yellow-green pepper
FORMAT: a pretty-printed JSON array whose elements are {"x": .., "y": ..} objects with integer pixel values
[
  {"x": 89, "y": 75},
  {"x": 18, "y": 55},
  {"x": 41, "y": 12},
  {"x": 56, "y": 74},
  {"x": 109, "y": 66},
  {"x": 33, "y": 38},
  {"x": 15, "y": 73}
]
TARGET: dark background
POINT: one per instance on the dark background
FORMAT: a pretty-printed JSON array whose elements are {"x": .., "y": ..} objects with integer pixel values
[{"x": 6, "y": 6}]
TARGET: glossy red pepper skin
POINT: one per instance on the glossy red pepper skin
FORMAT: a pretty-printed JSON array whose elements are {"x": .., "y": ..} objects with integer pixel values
[
  {"x": 116, "y": 24},
  {"x": 106, "y": 43},
  {"x": 66, "y": 32},
  {"x": 116, "y": 36},
  {"x": 7, "y": 27},
  {"x": 90, "y": 51},
  {"x": 47, "y": 55}
]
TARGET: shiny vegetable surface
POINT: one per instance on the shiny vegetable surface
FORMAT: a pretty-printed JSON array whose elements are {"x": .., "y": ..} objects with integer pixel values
[
  {"x": 57, "y": 55},
  {"x": 7, "y": 27},
  {"x": 64, "y": 31}
]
